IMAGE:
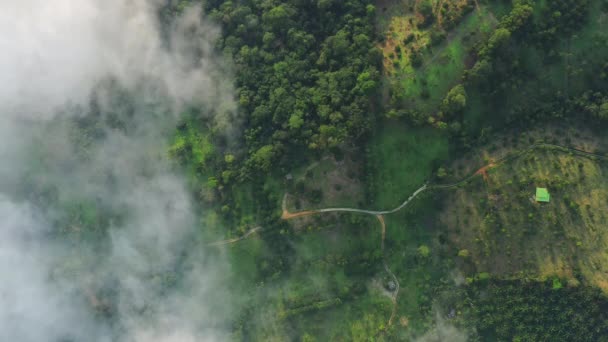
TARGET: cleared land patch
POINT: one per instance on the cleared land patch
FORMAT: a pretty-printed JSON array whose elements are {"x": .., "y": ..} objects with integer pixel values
[
  {"x": 328, "y": 182},
  {"x": 507, "y": 234}
]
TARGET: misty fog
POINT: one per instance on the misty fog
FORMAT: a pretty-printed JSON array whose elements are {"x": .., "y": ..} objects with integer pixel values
[{"x": 108, "y": 69}]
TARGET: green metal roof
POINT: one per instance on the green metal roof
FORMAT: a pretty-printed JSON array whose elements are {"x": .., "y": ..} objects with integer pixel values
[{"x": 542, "y": 195}]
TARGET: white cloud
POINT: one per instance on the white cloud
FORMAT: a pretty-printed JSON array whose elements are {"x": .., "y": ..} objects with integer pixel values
[{"x": 55, "y": 54}]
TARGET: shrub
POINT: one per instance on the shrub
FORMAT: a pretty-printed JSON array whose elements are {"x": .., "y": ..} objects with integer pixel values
[
  {"x": 424, "y": 251},
  {"x": 463, "y": 253}
]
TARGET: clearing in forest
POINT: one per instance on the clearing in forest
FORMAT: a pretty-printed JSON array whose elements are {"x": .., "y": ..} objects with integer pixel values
[
  {"x": 334, "y": 180},
  {"x": 426, "y": 50}
]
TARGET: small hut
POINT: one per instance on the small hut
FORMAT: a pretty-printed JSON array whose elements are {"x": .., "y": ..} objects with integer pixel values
[{"x": 542, "y": 195}]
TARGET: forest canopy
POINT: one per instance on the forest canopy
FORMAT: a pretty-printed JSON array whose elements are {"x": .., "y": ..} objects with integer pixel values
[{"x": 307, "y": 73}]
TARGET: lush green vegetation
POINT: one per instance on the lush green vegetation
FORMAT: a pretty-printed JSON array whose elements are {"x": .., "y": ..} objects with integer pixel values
[
  {"x": 305, "y": 76},
  {"x": 326, "y": 289},
  {"x": 506, "y": 233},
  {"x": 358, "y": 104},
  {"x": 535, "y": 311},
  {"x": 425, "y": 62},
  {"x": 543, "y": 58},
  {"x": 417, "y": 254},
  {"x": 332, "y": 181}
]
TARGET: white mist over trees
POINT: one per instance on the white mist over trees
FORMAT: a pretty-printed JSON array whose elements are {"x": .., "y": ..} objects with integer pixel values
[{"x": 62, "y": 62}]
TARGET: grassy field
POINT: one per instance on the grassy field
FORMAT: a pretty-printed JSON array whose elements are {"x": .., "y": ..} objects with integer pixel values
[{"x": 402, "y": 159}]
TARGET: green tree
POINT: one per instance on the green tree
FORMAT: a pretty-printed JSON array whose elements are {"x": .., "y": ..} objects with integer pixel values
[
  {"x": 296, "y": 121},
  {"x": 424, "y": 251},
  {"x": 455, "y": 100},
  {"x": 366, "y": 82},
  {"x": 263, "y": 157},
  {"x": 499, "y": 38},
  {"x": 441, "y": 172},
  {"x": 279, "y": 18}
]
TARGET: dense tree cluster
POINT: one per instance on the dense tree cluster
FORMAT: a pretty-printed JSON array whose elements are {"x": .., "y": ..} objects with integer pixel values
[
  {"x": 499, "y": 65},
  {"x": 595, "y": 104},
  {"x": 532, "y": 311},
  {"x": 306, "y": 75},
  {"x": 517, "y": 73},
  {"x": 493, "y": 55},
  {"x": 561, "y": 19},
  {"x": 306, "y": 72},
  {"x": 452, "y": 12}
]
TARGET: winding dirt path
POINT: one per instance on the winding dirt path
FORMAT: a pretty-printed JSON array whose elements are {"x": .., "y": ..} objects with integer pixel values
[
  {"x": 388, "y": 270},
  {"x": 379, "y": 214},
  {"x": 286, "y": 215},
  {"x": 234, "y": 240}
]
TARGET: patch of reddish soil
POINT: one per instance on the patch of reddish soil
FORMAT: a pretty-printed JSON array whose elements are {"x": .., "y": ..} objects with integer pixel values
[
  {"x": 484, "y": 171},
  {"x": 288, "y": 216}
]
